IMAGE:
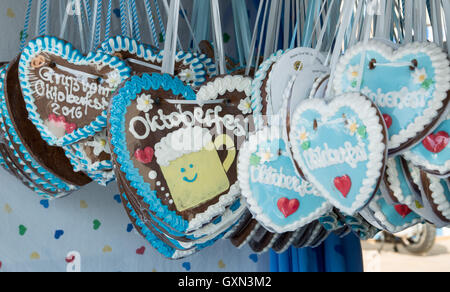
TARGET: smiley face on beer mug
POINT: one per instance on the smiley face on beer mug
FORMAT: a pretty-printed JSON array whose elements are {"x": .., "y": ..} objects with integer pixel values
[{"x": 192, "y": 167}]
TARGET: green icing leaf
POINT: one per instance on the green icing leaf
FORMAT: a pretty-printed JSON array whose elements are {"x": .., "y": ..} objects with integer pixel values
[
  {"x": 255, "y": 160},
  {"x": 226, "y": 38},
  {"x": 362, "y": 131},
  {"x": 306, "y": 145},
  {"x": 427, "y": 84}
]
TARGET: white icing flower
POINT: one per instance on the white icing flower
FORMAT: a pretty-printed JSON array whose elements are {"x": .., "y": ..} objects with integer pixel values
[
  {"x": 58, "y": 129},
  {"x": 419, "y": 76},
  {"x": 352, "y": 126},
  {"x": 113, "y": 79},
  {"x": 353, "y": 73},
  {"x": 145, "y": 103},
  {"x": 266, "y": 155},
  {"x": 187, "y": 76},
  {"x": 100, "y": 144},
  {"x": 245, "y": 106},
  {"x": 304, "y": 135}
]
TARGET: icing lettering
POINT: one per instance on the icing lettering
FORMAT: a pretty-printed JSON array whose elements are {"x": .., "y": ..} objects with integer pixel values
[
  {"x": 399, "y": 99},
  {"x": 160, "y": 121},
  {"x": 77, "y": 94},
  {"x": 270, "y": 176},
  {"x": 321, "y": 158}
]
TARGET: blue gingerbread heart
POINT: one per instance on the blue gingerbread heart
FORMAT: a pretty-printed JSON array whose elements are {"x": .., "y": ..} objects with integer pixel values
[
  {"x": 409, "y": 85},
  {"x": 279, "y": 199},
  {"x": 433, "y": 153},
  {"x": 394, "y": 218},
  {"x": 340, "y": 148},
  {"x": 66, "y": 93}
]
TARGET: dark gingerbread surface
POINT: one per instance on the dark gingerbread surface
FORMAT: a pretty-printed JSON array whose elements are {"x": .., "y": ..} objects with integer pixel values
[{"x": 51, "y": 158}]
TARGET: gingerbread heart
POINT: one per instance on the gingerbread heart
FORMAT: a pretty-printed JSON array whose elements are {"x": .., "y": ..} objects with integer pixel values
[
  {"x": 340, "y": 148},
  {"x": 433, "y": 154},
  {"x": 410, "y": 85},
  {"x": 278, "y": 198},
  {"x": 67, "y": 94},
  {"x": 190, "y": 68},
  {"x": 393, "y": 218},
  {"x": 192, "y": 176}
]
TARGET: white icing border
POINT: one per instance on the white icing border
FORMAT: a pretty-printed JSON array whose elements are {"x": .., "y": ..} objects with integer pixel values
[
  {"x": 394, "y": 182},
  {"x": 383, "y": 220},
  {"x": 438, "y": 196},
  {"x": 440, "y": 64},
  {"x": 367, "y": 113}
]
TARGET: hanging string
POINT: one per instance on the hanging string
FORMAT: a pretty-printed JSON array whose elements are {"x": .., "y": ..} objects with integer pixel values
[
  {"x": 151, "y": 22},
  {"x": 81, "y": 24},
  {"x": 168, "y": 64},
  {"x": 161, "y": 24},
  {"x": 88, "y": 11},
  {"x": 135, "y": 19},
  {"x": 26, "y": 26},
  {"x": 217, "y": 25},
  {"x": 123, "y": 18},
  {"x": 108, "y": 20},
  {"x": 253, "y": 44}
]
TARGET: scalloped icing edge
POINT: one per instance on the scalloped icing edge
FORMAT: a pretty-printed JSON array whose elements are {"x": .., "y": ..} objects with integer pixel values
[
  {"x": 441, "y": 67},
  {"x": 383, "y": 220},
  {"x": 122, "y": 43},
  {"x": 59, "y": 184},
  {"x": 64, "y": 50},
  {"x": 260, "y": 76},
  {"x": 426, "y": 165},
  {"x": 256, "y": 210},
  {"x": 361, "y": 106},
  {"x": 162, "y": 247},
  {"x": 438, "y": 196},
  {"x": 395, "y": 184}
]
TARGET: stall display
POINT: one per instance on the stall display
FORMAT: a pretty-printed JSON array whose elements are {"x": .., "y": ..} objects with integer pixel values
[{"x": 320, "y": 123}]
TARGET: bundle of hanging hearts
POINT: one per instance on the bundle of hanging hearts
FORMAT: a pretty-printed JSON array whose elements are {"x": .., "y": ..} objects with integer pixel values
[{"x": 199, "y": 157}]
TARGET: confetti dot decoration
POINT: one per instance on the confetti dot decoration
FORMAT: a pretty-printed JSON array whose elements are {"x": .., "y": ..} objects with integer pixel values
[
  {"x": 35, "y": 256},
  {"x": 7, "y": 209},
  {"x": 83, "y": 204},
  {"x": 107, "y": 249},
  {"x": 96, "y": 224},
  {"x": 10, "y": 13},
  {"x": 22, "y": 230}
]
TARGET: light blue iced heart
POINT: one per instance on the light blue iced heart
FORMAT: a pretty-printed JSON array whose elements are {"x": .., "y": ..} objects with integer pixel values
[
  {"x": 393, "y": 218},
  {"x": 408, "y": 85},
  {"x": 268, "y": 178},
  {"x": 434, "y": 162},
  {"x": 340, "y": 149}
]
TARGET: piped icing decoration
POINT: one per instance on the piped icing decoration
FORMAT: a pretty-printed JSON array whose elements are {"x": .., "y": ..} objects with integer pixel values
[
  {"x": 189, "y": 68},
  {"x": 345, "y": 152},
  {"x": 437, "y": 191},
  {"x": 397, "y": 185},
  {"x": 393, "y": 218},
  {"x": 67, "y": 94},
  {"x": 410, "y": 85},
  {"x": 278, "y": 198},
  {"x": 433, "y": 154},
  {"x": 194, "y": 142},
  {"x": 54, "y": 186}
]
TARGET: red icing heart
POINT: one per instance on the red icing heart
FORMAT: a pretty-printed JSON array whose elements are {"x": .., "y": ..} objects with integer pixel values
[
  {"x": 0, "y": 265},
  {"x": 140, "y": 251},
  {"x": 288, "y": 207},
  {"x": 343, "y": 184},
  {"x": 387, "y": 120},
  {"x": 435, "y": 143},
  {"x": 145, "y": 156},
  {"x": 70, "y": 128},
  {"x": 403, "y": 210},
  {"x": 70, "y": 259}
]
